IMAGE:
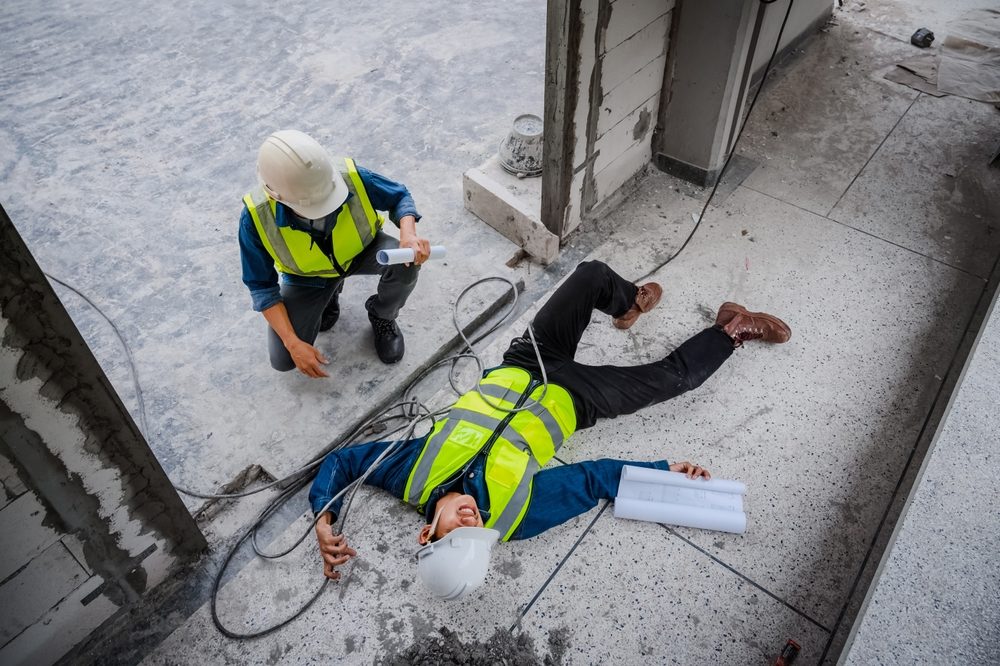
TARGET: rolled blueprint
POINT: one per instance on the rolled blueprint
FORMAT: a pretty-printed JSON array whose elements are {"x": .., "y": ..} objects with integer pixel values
[
  {"x": 670, "y": 497},
  {"x": 680, "y": 514},
  {"x": 404, "y": 255},
  {"x": 664, "y": 477}
]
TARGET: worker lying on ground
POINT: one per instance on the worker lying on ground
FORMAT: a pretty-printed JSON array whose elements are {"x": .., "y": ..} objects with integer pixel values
[
  {"x": 314, "y": 220},
  {"x": 480, "y": 467}
]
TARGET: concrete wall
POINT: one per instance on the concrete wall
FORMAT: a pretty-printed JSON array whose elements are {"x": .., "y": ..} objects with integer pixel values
[
  {"x": 806, "y": 17},
  {"x": 605, "y": 67},
  {"x": 720, "y": 46},
  {"x": 89, "y": 521}
]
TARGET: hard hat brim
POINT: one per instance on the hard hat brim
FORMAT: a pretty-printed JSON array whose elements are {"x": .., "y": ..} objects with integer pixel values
[
  {"x": 486, "y": 535},
  {"x": 320, "y": 209}
]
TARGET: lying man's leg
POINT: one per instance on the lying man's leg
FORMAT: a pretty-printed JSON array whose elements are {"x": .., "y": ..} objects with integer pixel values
[
  {"x": 560, "y": 323},
  {"x": 609, "y": 391}
]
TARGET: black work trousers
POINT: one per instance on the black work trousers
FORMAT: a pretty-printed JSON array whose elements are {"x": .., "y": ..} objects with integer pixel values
[
  {"x": 306, "y": 304},
  {"x": 606, "y": 391}
]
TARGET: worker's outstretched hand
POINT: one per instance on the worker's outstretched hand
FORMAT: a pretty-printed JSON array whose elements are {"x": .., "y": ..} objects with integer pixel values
[
  {"x": 308, "y": 359},
  {"x": 333, "y": 548},
  {"x": 692, "y": 471}
]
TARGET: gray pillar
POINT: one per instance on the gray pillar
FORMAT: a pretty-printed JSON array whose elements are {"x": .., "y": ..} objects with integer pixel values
[{"x": 707, "y": 80}]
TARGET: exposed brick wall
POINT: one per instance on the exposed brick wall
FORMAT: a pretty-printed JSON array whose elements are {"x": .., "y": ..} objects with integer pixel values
[{"x": 617, "y": 55}]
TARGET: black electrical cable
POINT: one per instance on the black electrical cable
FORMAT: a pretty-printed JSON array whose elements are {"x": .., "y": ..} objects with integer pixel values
[
  {"x": 297, "y": 479},
  {"x": 271, "y": 509},
  {"x": 732, "y": 152},
  {"x": 141, "y": 402}
]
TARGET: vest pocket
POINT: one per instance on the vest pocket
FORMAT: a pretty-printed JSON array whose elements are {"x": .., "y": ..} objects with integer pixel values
[
  {"x": 506, "y": 465},
  {"x": 469, "y": 437}
]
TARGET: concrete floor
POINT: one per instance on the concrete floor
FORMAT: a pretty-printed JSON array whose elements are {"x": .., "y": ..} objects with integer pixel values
[
  {"x": 868, "y": 224},
  {"x": 128, "y": 135},
  {"x": 938, "y": 584}
]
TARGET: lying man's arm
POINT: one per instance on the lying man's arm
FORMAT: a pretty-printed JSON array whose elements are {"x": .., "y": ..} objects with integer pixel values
[
  {"x": 566, "y": 491},
  {"x": 339, "y": 470}
]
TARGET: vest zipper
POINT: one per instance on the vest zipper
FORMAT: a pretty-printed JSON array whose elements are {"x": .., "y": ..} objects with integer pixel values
[
  {"x": 532, "y": 384},
  {"x": 507, "y": 419}
]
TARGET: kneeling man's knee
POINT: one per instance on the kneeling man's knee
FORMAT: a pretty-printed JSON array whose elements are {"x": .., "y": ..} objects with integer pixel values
[{"x": 282, "y": 364}]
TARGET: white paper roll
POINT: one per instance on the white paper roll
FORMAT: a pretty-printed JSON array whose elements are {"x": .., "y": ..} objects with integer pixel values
[
  {"x": 404, "y": 255},
  {"x": 663, "y": 477},
  {"x": 734, "y": 522}
]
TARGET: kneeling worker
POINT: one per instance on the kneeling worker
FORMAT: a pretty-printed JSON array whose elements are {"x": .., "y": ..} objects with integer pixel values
[
  {"x": 477, "y": 477},
  {"x": 315, "y": 220}
]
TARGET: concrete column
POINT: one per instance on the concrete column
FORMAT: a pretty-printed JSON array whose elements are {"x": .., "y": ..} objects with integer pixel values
[
  {"x": 718, "y": 54},
  {"x": 562, "y": 44},
  {"x": 707, "y": 77},
  {"x": 90, "y": 521},
  {"x": 604, "y": 68}
]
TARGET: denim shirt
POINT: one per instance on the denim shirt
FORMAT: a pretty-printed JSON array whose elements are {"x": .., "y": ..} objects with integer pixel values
[
  {"x": 259, "y": 274},
  {"x": 558, "y": 493}
]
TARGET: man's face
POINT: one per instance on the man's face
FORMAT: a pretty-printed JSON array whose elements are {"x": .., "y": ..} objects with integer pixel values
[{"x": 453, "y": 511}]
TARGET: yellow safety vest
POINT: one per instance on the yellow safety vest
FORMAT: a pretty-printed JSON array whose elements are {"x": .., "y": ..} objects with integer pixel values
[
  {"x": 517, "y": 444},
  {"x": 294, "y": 252}
]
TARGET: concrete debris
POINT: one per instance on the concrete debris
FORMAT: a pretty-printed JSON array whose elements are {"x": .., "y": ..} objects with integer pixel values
[
  {"x": 922, "y": 38},
  {"x": 500, "y": 648}
]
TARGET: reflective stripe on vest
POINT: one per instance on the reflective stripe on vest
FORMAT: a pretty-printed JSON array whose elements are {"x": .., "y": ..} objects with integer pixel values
[
  {"x": 294, "y": 252},
  {"x": 517, "y": 445}
]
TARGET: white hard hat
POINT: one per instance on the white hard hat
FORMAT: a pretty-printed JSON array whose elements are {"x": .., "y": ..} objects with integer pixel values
[
  {"x": 456, "y": 564},
  {"x": 297, "y": 171}
]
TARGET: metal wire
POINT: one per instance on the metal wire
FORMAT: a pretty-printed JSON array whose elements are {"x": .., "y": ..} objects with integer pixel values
[{"x": 298, "y": 478}]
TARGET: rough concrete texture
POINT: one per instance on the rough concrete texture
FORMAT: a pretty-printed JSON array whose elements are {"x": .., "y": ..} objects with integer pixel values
[
  {"x": 899, "y": 19},
  {"x": 86, "y": 474},
  {"x": 751, "y": 418},
  {"x": 637, "y": 593},
  {"x": 512, "y": 206},
  {"x": 955, "y": 227},
  {"x": 498, "y": 649},
  {"x": 378, "y": 609},
  {"x": 941, "y": 571},
  {"x": 128, "y": 134},
  {"x": 811, "y": 147},
  {"x": 820, "y": 429}
]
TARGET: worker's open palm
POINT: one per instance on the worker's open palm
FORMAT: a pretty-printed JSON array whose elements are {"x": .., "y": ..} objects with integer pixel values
[{"x": 334, "y": 549}]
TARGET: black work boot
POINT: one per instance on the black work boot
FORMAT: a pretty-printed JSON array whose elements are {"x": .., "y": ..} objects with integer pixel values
[
  {"x": 388, "y": 338},
  {"x": 330, "y": 314}
]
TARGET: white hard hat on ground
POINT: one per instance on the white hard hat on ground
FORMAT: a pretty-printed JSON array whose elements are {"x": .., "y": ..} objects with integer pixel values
[
  {"x": 456, "y": 564},
  {"x": 295, "y": 170}
]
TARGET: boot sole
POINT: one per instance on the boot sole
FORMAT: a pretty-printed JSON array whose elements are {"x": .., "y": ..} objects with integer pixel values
[
  {"x": 728, "y": 305},
  {"x": 623, "y": 323}
]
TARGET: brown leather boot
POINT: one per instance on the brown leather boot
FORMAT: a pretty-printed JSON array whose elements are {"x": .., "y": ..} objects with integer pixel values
[
  {"x": 646, "y": 299},
  {"x": 742, "y": 325}
]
